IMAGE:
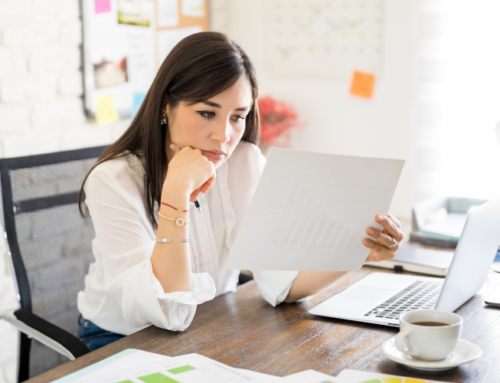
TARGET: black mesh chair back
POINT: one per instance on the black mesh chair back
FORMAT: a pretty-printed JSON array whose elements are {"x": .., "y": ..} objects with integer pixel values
[{"x": 49, "y": 242}]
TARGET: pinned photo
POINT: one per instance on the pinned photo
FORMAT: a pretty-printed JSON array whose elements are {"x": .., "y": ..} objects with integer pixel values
[
  {"x": 109, "y": 73},
  {"x": 135, "y": 12}
]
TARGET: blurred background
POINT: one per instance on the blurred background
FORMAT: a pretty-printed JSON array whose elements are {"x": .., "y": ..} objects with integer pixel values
[{"x": 409, "y": 79}]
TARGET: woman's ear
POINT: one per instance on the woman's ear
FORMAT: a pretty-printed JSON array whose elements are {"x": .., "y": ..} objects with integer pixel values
[
  {"x": 164, "y": 110},
  {"x": 168, "y": 111}
]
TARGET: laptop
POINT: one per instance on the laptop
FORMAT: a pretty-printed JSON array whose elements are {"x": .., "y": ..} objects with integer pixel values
[{"x": 381, "y": 298}]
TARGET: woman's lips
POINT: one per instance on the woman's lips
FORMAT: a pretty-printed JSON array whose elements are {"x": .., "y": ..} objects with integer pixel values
[{"x": 214, "y": 155}]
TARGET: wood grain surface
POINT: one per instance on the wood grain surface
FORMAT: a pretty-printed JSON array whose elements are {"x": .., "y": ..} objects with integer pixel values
[{"x": 242, "y": 330}]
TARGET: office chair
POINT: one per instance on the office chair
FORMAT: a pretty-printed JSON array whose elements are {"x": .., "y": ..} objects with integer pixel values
[{"x": 49, "y": 248}]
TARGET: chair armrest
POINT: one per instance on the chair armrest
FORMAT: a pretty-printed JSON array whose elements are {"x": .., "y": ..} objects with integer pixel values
[{"x": 47, "y": 333}]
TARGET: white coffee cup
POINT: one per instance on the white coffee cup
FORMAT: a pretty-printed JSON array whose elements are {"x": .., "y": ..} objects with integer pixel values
[{"x": 420, "y": 339}]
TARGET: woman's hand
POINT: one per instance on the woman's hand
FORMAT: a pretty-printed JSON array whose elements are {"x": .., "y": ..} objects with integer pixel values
[
  {"x": 383, "y": 244},
  {"x": 190, "y": 171}
]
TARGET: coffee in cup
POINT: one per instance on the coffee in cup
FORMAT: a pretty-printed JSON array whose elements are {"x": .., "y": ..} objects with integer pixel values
[{"x": 428, "y": 334}]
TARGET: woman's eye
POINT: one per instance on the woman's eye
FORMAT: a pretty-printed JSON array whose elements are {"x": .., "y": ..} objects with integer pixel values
[
  {"x": 206, "y": 114},
  {"x": 238, "y": 118}
]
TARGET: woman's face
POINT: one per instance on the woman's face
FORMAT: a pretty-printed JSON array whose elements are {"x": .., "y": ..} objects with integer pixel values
[{"x": 214, "y": 126}]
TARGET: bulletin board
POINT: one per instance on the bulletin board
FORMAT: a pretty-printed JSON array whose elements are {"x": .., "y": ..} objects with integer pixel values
[
  {"x": 125, "y": 42},
  {"x": 323, "y": 39}
]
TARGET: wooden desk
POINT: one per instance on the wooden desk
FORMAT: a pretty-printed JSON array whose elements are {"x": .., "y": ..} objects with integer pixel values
[{"x": 242, "y": 330}]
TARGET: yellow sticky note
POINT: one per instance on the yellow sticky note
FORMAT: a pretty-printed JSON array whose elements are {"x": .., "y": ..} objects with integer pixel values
[
  {"x": 106, "y": 110},
  {"x": 410, "y": 380},
  {"x": 362, "y": 84}
]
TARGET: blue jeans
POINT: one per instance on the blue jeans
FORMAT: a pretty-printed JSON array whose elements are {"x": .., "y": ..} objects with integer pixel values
[{"x": 94, "y": 336}]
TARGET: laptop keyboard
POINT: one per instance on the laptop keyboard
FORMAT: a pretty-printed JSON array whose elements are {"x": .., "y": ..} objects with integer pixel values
[{"x": 418, "y": 295}]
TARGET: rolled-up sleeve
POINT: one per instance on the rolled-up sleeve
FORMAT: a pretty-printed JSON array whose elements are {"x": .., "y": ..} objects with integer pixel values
[
  {"x": 125, "y": 241},
  {"x": 274, "y": 285}
]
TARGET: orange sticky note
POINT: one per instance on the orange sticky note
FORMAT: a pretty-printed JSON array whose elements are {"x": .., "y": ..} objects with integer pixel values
[{"x": 362, "y": 84}]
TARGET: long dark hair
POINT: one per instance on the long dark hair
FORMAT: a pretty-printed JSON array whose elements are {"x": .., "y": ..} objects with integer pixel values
[{"x": 199, "y": 67}]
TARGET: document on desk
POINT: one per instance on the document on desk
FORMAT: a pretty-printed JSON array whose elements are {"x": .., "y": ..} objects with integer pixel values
[
  {"x": 310, "y": 211},
  {"x": 191, "y": 368}
]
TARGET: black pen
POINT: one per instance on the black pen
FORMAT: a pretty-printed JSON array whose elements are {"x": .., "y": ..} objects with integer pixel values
[{"x": 197, "y": 204}]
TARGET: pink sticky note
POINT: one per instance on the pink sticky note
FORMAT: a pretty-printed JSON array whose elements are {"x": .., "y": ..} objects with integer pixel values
[{"x": 102, "y": 6}]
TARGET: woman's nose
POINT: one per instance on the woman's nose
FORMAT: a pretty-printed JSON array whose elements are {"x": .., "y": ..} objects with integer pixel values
[{"x": 222, "y": 132}]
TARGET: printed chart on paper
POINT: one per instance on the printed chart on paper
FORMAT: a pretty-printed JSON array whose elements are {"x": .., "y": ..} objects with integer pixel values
[
  {"x": 311, "y": 221},
  {"x": 324, "y": 39},
  {"x": 191, "y": 368}
]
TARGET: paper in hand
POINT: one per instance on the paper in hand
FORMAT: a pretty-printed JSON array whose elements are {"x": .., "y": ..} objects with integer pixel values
[{"x": 310, "y": 211}]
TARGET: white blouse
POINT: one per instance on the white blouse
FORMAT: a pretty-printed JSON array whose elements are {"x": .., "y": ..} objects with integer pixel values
[{"x": 121, "y": 293}]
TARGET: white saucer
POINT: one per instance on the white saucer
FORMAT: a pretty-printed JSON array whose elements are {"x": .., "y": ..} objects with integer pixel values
[{"x": 464, "y": 352}]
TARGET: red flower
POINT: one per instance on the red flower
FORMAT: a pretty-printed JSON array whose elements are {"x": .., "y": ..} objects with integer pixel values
[{"x": 276, "y": 120}]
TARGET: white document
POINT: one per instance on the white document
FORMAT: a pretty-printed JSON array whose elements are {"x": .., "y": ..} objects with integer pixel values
[
  {"x": 310, "y": 211},
  {"x": 168, "y": 13},
  {"x": 193, "y": 8},
  {"x": 308, "y": 376},
  {"x": 128, "y": 358},
  {"x": 191, "y": 368}
]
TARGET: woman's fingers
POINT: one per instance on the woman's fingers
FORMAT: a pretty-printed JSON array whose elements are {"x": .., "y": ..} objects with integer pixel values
[
  {"x": 377, "y": 247},
  {"x": 390, "y": 227},
  {"x": 379, "y": 252},
  {"x": 194, "y": 194},
  {"x": 203, "y": 188},
  {"x": 189, "y": 168},
  {"x": 379, "y": 236},
  {"x": 207, "y": 185},
  {"x": 395, "y": 220}
]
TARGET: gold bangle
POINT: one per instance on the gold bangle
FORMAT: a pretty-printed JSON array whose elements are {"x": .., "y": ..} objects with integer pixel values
[{"x": 178, "y": 221}]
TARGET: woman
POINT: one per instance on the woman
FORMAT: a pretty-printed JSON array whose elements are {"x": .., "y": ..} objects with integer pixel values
[{"x": 194, "y": 136}]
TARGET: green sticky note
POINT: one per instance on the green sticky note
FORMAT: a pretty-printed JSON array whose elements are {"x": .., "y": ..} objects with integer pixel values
[
  {"x": 178, "y": 370},
  {"x": 157, "y": 378}
]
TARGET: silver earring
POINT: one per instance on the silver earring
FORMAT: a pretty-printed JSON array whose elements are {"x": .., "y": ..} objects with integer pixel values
[{"x": 163, "y": 120}]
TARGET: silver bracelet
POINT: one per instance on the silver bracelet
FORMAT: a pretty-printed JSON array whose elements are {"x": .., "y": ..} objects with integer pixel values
[{"x": 163, "y": 240}]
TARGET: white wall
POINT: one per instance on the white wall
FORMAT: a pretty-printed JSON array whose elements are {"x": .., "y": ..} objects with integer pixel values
[
  {"x": 41, "y": 107},
  {"x": 457, "y": 150}
]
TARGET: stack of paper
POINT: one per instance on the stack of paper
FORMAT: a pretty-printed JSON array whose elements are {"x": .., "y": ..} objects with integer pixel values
[{"x": 134, "y": 366}]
